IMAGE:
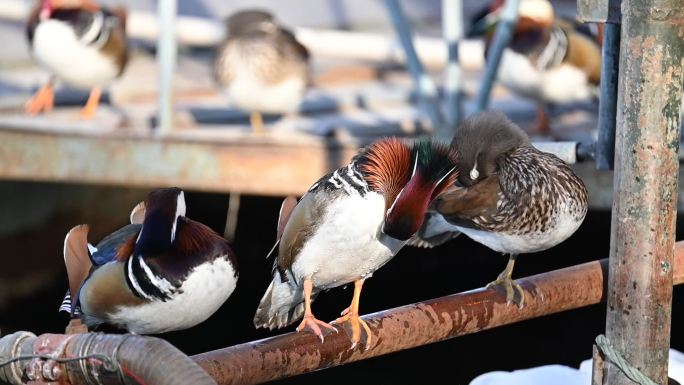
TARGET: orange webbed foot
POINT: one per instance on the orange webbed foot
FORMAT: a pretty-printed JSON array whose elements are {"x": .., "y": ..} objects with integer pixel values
[
  {"x": 42, "y": 101},
  {"x": 313, "y": 325},
  {"x": 353, "y": 325},
  {"x": 93, "y": 102}
]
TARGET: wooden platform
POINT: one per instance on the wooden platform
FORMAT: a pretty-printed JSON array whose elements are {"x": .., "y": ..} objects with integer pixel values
[{"x": 212, "y": 147}]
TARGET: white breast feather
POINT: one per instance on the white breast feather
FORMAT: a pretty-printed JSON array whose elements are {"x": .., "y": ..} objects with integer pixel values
[
  {"x": 561, "y": 84},
  {"x": 57, "y": 49},
  {"x": 207, "y": 287},
  {"x": 565, "y": 224},
  {"x": 349, "y": 244}
]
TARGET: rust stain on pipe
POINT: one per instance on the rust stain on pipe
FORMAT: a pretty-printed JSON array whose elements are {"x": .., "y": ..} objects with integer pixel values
[{"x": 414, "y": 325}]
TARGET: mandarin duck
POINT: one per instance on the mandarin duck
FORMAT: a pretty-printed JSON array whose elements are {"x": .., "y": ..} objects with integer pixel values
[
  {"x": 551, "y": 60},
  {"x": 261, "y": 66},
  {"x": 162, "y": 272},
  {"x": 77, "y": 42},
  {"x": 509, "y": 196},
  {"x": 349, "y": 224}
]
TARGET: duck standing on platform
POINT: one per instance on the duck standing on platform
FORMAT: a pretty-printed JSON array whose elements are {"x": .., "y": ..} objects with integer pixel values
[
  {"x": 166, "y": 273},
  {"x": 262, "y": 66},
  {"x": 349, "y": 224},
  {"x": 79, "y": 43},
  {"x": 550, "y": 60},
  {"x": 510, "y": 197}
]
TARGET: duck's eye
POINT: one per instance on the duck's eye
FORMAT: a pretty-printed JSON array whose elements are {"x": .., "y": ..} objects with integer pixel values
[{"x": 474, "y": 173}]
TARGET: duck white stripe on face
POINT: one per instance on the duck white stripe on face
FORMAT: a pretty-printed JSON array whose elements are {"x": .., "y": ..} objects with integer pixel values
[
  {"x": 445, "y": 176},
  {"x": 180, "y": 211},
  {"x": 134, "y": 285}
]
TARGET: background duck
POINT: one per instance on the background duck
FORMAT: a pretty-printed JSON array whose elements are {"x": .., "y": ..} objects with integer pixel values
[
  {"x": 77, "y": 42},
  {"x": 165, "y": 273},
  {"x": 509, "y": 197},
  {"x": 349, "y": 224},
  {"x": 551, "y": 60},
  {"x": 262, "y": 66}
]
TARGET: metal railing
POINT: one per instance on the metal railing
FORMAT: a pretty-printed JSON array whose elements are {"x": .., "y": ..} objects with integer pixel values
[{"x": 415, "y": 325}]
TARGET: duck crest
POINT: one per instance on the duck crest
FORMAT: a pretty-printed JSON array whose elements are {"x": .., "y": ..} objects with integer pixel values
[
  {"x": 436, "y": 161},
  {"x": 163, "y": 209},
  {"x": 386, "y": 166}
]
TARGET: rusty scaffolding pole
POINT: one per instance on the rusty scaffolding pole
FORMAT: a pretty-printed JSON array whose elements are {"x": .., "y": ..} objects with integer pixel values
[
  {"x": 75, "y": 359},
  {"x": 414, "y": 325},
  {"x": 645, "y": 181}
]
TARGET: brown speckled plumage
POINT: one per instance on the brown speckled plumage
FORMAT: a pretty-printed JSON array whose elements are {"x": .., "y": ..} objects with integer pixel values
[
  {"x": 510, "y": 196},
  {"x": 517, "y": 191},
  {"x": 532, "y": 185},
  {"x": 271, "y": 48}
]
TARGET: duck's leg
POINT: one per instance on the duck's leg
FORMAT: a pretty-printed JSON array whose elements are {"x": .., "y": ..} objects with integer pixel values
[
  {"x": 43, "y": 100},
  {"x": 90, "y": 107},
  {"x": 310, "y": 322},
  {"x": 76, "y": 326},
  {"x": 513, "y": 291},
  {"x": 257, "y": 122},
  {"x": 543, "y": 123},
  {"x": 350, "y": 319}
]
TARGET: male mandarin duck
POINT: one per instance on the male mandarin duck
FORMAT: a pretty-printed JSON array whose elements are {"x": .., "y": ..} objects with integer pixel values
[
  {"x": 79, "y": 43},
  {"x": 509, "y": 196},
  {"x": 349, "y": 224},
  {"x": 550, "y": 60},
  {"x": 262, "y": 66},
  {"x": 160, "y": 273}
]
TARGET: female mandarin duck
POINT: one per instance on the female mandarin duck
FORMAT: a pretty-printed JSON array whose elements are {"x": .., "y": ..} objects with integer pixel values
[
  {"x": 79, "y": 43},
  {"x": 162, "y": 272},
  {"x": 349, "y": 224},
  {"x": 549, "y": 59},
  {"x": 511, "y": 197},
  {"x": 262, "y": 66}
]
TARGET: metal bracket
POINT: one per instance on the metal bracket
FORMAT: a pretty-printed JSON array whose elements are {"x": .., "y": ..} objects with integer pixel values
[{"x": 599, "y": 11}]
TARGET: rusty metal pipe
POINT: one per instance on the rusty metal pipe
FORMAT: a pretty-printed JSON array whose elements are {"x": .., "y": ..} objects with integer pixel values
[
  {"x": 645, "y": 185},
  {"x": 107, "y": 359},
  {"x": 413, "y": 325}
]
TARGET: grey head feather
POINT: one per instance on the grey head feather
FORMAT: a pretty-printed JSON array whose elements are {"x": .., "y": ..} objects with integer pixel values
[
  {"x": 253, "y": 22},
  {"x": 482, "y": 140}
]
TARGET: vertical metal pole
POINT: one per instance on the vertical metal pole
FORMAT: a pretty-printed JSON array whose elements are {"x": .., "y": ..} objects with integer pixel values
[
  {"x": 452, "y": 25},
  {"x": 502, "y": 36},
  {"x": 645, "y": 184},
  {"x": 427, "y": 91},
  {"x": 166, "y": 58},
  {"x": 232, "y": 216},
  {"x": 610, "y": 59}
]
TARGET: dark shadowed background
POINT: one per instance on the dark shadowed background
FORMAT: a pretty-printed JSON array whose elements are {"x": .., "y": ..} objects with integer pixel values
[{"x": 33, "y": 280}]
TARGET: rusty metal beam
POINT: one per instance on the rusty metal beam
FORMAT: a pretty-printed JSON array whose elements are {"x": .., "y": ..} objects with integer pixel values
[
  {"x": 218, "y": 160},
  {"x": 203, "y": 161},
  {"x": 644, "y": 209},
  {"x": 414, "y": 325}
]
